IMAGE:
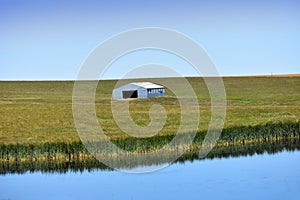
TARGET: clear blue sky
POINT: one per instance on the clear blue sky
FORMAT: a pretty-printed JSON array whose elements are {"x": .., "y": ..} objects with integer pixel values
[{"x": 50, "y": 40}]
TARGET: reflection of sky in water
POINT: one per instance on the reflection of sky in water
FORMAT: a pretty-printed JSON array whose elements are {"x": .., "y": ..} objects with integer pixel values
[
  {"x": 145, "y": 169},
  {"x": 260, "y": 176}
]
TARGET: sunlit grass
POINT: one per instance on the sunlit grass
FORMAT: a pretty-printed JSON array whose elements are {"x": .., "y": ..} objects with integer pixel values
[{"x": 41, "y": 112}]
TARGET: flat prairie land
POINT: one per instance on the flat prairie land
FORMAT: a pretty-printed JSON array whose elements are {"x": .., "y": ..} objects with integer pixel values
[{"x": 39, "y": 112}]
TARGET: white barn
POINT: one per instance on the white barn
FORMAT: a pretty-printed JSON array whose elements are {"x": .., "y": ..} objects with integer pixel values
[{"x": 138, "y": 90}]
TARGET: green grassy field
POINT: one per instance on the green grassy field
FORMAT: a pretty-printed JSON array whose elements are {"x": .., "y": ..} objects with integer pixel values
[{"x": 40, "y": 113}]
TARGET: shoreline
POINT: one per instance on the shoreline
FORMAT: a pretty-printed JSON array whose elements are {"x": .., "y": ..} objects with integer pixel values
[
  {"x": 235, "y": 136},
  {"x": 91, "y": 164}
]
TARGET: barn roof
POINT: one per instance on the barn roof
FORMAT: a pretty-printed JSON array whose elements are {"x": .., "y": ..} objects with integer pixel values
[
  {"x": 136, "y": 85},
  {"x": 146, "y": 85}
]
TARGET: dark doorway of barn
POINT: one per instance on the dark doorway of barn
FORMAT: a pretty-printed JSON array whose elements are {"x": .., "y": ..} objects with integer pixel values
[{"x": 130, "y": 94}]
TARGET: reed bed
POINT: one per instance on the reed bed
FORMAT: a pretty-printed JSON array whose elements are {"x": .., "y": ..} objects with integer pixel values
[
  {"x": 91, "y": 164},
  {"x": 77, "y": 151}
]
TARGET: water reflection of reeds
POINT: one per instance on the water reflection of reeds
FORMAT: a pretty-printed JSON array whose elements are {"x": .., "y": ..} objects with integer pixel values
[{"x": 90, "y": 164}]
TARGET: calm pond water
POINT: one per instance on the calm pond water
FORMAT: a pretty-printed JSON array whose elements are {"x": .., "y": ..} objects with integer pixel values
[{"x": 259, "y": 176}]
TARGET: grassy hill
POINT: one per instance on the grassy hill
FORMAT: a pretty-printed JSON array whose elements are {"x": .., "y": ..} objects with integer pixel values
[{"x": 41, "y": 111}]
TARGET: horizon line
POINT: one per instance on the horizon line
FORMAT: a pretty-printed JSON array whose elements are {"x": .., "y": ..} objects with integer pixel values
[{"x": 223, "y": 76}]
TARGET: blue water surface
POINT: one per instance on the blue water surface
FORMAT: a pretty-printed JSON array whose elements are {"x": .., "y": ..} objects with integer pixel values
[{"x": 267, "y": 176}]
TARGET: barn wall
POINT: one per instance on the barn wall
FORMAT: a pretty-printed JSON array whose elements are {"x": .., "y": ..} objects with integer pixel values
[
  {"x": 157, "y": 94},
  {"x": 142, "y": 93},
  {"x": 117, "y": 94}
]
